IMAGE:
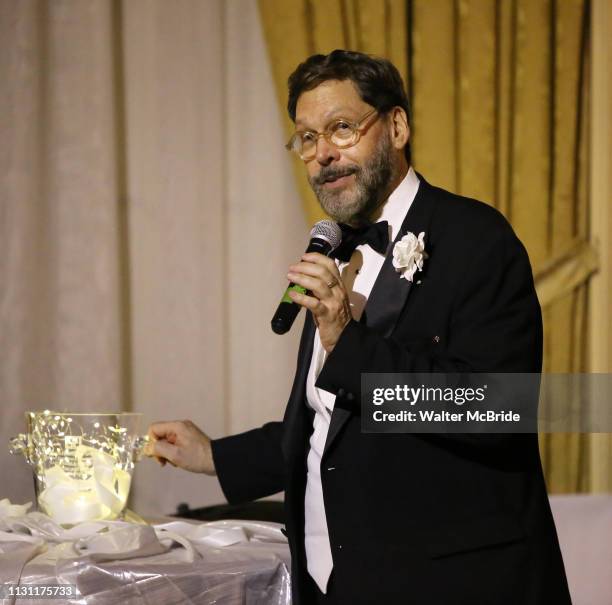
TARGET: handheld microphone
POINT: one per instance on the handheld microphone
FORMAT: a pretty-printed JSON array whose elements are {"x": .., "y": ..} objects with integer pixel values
[{"x": 325, "y": 237}]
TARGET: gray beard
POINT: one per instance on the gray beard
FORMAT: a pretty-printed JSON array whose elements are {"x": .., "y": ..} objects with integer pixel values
[{"x": 371, "y": 183}]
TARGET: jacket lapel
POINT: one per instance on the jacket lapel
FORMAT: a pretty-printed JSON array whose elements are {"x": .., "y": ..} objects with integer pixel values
[
  {"x": 338, "y": 419},
  {"x": 296, "y": 408},
  {"x": 390, "y": 292}
]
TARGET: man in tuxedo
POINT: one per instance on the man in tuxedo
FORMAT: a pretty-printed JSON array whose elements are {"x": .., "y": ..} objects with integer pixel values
[{"x": 393, "y": 518}]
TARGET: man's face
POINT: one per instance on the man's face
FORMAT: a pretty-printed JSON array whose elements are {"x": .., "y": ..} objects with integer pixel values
[{"x": 350, "y": 183}]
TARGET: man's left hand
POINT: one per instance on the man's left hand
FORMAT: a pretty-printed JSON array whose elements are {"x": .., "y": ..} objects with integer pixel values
[{"x": 328, "y": 300}]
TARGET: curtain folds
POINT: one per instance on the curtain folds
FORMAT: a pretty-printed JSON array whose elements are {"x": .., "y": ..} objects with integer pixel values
[
  {"x": 499, "y": 93},
  {"x": 134, "y": 200},
  {"x": 500, "y": 114}
]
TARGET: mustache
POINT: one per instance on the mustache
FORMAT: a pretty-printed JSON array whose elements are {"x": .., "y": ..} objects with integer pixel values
[{"x": 330, "y": 173}]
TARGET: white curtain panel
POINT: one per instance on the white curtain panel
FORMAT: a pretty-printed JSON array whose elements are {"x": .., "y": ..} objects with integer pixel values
[
  {"x": 147, "y": 218},
  {"x": 60, "y": 323}
]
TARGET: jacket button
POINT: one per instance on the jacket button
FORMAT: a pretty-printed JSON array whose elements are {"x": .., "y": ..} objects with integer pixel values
[
  {"x": 436, "y": 339},
  {"x": 339, "y": 546},
  {"x": 341, "y": 392},
  {"x": 350, "y": 396}
]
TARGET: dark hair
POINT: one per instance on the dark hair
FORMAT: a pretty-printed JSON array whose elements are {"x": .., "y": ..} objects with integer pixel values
[{"x": 377, "y": 80}]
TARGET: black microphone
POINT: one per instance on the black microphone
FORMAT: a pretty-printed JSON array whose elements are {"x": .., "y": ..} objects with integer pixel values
[{"x": 325, "y": 237}]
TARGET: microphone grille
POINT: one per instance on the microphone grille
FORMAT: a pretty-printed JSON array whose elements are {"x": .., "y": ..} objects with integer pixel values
[{"x": 329, "y": 231}]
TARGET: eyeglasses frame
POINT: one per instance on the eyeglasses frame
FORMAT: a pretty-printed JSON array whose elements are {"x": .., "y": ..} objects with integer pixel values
[{"x": 355, "y": 126}]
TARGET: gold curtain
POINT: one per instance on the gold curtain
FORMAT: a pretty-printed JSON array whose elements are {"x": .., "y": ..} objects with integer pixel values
[
  {"x": 296, "y": 29},
  {"x": 499, "y": 113},
  {"x": 499, "y": 93}
]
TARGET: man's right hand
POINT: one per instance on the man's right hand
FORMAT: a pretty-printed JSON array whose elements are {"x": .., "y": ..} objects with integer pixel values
[{"x": 181, "y": 443}]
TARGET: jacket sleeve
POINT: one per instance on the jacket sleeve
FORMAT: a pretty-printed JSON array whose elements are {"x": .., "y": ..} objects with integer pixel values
[
  {"x": 495, "y": 326},
  {"x": 250, "y": 465}
]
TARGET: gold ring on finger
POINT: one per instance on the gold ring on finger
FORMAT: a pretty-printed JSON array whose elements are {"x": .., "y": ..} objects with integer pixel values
[{"x": 332, "y": 283}]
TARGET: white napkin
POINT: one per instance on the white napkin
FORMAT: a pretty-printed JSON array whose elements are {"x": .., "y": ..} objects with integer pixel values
[
  {"x": 121, "y": 543},
  {"x": 24, "y": 535},
  {"x": 12, "y": 510},
  {"x": 15, "y": 551},
  {"x": 102, "y": 496},
  {"x": 203, "y": 534}
]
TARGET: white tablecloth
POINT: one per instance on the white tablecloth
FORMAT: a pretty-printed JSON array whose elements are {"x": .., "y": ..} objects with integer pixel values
[{"x": 220, "y": 563}]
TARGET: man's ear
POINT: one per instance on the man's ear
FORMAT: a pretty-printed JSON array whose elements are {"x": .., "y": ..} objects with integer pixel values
[{"x": 400, "y": 131}]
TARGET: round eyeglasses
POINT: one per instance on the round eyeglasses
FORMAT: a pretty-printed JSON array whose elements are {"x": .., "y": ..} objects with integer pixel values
[{"x": 340, "y": 132}]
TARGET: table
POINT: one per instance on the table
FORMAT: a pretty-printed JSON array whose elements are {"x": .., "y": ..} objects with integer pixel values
[{"x": 173, "y": 561}]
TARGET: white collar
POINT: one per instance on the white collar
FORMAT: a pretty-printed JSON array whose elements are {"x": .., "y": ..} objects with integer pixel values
[{"x": 398, "y": 203}]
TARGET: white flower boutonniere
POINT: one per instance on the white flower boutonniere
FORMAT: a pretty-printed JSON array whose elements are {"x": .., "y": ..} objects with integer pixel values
[{"x": 409, "y": 254}]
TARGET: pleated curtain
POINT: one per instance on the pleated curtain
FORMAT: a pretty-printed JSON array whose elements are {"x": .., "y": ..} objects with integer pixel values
[{"x": 147, "y": 219}]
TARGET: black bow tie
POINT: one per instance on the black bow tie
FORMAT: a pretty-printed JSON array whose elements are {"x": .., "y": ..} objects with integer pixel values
[{"x": 376, "y": 235}]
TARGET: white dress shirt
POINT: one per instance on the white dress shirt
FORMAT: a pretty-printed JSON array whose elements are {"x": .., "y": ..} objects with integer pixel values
[{"x": 358, "y": 275}]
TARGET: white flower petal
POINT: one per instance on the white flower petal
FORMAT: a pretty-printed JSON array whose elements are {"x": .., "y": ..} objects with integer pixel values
[{"x": 409, "y": 255}]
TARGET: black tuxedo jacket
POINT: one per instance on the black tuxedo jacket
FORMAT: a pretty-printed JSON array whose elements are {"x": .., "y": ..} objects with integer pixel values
[{"x": 420, "y": 519}]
